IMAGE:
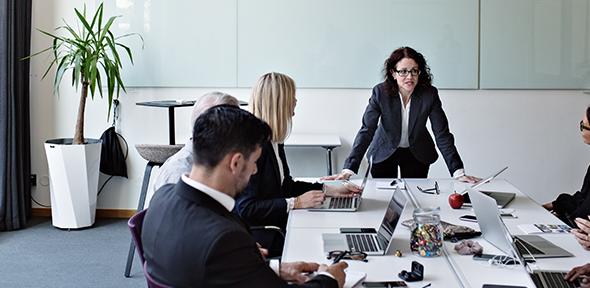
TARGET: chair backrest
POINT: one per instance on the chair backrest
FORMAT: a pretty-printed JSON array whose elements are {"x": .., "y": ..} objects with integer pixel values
[
  {"x": 135, "y": 224},
  {"x": 152, "y": 283}
]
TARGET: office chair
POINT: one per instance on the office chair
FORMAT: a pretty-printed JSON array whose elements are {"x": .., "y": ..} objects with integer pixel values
[
  {"x": 135, "y": 224},
  {"x": 156, "y": 155}
]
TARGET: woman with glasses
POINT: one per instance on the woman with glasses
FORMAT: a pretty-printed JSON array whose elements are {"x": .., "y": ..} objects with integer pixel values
[
  {"x": 393, "y": 127},
  {"x": 570, "y": 207}
]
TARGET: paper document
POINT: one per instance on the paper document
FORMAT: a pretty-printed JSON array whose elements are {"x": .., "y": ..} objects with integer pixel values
[
  {"x": 544, "y": 228},
  {"x": 354, "y": 278}
]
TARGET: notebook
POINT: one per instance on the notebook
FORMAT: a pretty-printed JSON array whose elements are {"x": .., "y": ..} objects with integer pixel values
[
  {"x": 345, "y": 204},
  {"x": 367, "y": 239}
]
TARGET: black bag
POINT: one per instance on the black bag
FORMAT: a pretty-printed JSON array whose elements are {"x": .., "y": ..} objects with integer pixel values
[{"x": 112, "y": 159}]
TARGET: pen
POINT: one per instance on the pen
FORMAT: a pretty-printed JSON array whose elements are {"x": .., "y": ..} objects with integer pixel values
[{"x": 427, "y": 285}]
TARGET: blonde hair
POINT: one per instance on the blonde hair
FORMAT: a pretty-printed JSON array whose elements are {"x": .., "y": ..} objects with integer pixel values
[{"x": 273, "y": 101}]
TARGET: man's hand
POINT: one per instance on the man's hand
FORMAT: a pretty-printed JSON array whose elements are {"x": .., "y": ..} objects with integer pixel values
[
  {"x": 346, "y": 189},
  {"x": 310, "y": 199},
  {"x": 468, "y": 179},
  {"x": 582, "y": 233},
  {"x": 297, "y": 272},
  {"x": 336, "y": 270},
  {"x": 579, "y": 271},
  {"x": 263, "y": 252}
]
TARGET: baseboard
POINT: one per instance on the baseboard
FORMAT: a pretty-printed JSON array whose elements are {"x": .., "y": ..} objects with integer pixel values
[{"x": 100, "y": 213}]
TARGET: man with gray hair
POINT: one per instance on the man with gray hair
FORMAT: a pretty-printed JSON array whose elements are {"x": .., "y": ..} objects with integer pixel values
[{"x": 182, "y": 161}]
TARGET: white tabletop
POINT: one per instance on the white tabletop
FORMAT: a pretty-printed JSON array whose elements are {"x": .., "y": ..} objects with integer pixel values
[
  {"x": 304, "y": 242},
  {"x": 313, "y": 140}
]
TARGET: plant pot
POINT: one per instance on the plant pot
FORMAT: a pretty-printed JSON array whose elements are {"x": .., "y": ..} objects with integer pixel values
[{"x": 73, "y": 175}]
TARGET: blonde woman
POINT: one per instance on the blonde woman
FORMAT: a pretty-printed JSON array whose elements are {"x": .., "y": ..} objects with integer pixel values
[{"x": 272, "y": 192}]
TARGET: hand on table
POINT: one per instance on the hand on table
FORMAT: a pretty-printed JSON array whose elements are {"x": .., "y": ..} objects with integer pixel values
[
  {"x": 578, "y": 272},
  {"x": 582, "y": 233},
  {"x": 468, "y": 179},
  {"x": 346, "y": 189},
  {"x": 310, "y": 199},
  {"x": 297, "y": 272},
  {"x": 344, "y": 175},
  {"x": 336, "y": 270}
]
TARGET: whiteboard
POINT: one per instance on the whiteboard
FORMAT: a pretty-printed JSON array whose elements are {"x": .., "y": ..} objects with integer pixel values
[
  {"x": 320, "y": 43},
  {"x": 344, "y": 43},
  {"x": 188, "y": 43},
  {"x": 535, "y": 44}
]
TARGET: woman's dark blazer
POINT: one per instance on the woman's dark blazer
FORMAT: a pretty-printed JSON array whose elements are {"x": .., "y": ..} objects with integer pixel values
[
  {"x": 263, "y": 200},
  {"x": 382, "y": 137}
]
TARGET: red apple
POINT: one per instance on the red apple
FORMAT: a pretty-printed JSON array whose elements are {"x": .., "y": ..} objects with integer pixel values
[{"x": 456, "y": 200}]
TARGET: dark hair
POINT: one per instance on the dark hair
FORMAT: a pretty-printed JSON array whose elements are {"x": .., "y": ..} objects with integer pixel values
[
  {"x": 425, "y": 78},
  {"x": 224, "y": 129},
  {"x": 588, "y": 113}
]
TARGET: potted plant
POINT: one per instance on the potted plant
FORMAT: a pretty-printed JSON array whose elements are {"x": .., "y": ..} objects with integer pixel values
[{"x": 91, "y": 53}]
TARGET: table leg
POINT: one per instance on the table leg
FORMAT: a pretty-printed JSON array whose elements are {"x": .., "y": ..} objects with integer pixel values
[
  {"x": 172, "y": 137},
  {"x": 329, "y": 159}
]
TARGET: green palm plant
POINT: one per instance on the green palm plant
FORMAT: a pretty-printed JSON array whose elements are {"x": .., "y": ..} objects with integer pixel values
[{"x": 85, "y": 52}]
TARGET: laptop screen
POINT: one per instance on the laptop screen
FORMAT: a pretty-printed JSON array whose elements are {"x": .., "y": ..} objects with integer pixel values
[
  {"x": 367, "y": 172},
  {"x": 392, "y": 215},
  {"x": 485, "y": 180}
]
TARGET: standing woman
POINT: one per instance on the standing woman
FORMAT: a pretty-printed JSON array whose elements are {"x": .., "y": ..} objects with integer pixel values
[
  {"x": 272, "y": 192},
  {"x": 394, "y": 124}
]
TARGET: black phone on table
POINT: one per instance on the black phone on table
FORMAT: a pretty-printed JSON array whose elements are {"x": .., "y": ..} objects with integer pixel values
[{"x": 469, "y": 218}]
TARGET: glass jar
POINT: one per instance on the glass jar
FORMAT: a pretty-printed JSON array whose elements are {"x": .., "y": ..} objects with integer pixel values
[{"x": 426, "y": 239}]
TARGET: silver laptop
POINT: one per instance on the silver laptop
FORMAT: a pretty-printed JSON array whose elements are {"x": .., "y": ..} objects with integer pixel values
[
  {"x": 494, "y": 231},
  {"x": 367, "y": 239},
  {"x": 502, "y": 198},
  {"x": 345, "y": 204},
  {"x": 521, "y": 247}
]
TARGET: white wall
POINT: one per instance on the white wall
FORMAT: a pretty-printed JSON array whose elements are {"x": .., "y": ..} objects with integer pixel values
[{"x": 534, "y": 132}]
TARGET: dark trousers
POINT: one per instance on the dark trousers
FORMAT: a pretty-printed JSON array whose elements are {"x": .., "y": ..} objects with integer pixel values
[{"x": 402, "y": 157}]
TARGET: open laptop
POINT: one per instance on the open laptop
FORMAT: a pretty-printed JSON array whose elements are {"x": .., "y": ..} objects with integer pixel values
[
  {"x": 345, "y": 204},
  {"x": 367, "y": 239},
  {"x": 502, "y": 198},
  {"x": 493, "y": 230},
  {"x": 521, "y": 246}
]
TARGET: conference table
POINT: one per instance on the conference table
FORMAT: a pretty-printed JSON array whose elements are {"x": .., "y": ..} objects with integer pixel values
[{"x": 304, "y": 237}]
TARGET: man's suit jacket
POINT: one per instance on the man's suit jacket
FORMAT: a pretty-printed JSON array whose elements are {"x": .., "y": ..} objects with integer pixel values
[
  {"x": 383, "y": 137},
  {"x": 191, "y": 240},
  {"x": 263, "y": 201}
]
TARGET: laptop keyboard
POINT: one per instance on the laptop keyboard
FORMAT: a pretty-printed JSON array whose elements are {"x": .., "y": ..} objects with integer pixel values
[
  {"x": 362, "y": 242},
  {"x": 545, "y": 279},
  {"x": 520, "y": 244},
  {"x": 340, "y": 202}
]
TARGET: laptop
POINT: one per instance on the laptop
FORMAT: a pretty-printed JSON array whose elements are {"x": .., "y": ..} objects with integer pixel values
[
  {"x": 502, "y": 198},
  {"x": 345, "y": 204},
  {"x": 367, "y": 239},
  {"x": 495, "y": 232}
]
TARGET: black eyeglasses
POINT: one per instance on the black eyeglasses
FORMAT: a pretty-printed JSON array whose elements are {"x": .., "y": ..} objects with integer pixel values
[
  {"x": 405, "y": 72},
  {"x": 338, "y": 255},
  {"x": 583, "y": 127},
  {"x": 434, "y": 190}
]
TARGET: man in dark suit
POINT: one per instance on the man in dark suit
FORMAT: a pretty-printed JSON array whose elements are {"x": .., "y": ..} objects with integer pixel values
[{"x": 190, "y": 237}]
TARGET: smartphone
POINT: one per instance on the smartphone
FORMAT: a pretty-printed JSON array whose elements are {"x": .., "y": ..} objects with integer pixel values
[
  {"x": 385, "y": 284},
  {"x": 469, "y": 218}
]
